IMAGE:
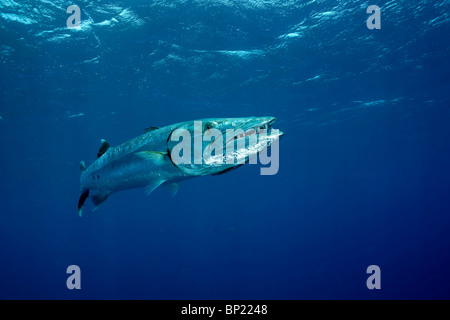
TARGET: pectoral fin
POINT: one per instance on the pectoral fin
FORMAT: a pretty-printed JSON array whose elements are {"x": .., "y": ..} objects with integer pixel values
[
  {"x": 155, "y": 156},
  {"x": 153, "y": 185}
]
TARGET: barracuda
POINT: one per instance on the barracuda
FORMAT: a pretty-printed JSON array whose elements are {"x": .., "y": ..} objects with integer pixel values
[{"x": 158, "y": 157}]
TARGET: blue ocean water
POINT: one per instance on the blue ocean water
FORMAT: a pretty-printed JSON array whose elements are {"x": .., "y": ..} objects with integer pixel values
[{"x": 364, "y": 174}]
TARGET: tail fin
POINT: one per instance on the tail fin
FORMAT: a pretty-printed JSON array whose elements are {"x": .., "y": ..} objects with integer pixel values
[
  {"x": 84, "y": 195},
  {"x": 98, "y": 197}
]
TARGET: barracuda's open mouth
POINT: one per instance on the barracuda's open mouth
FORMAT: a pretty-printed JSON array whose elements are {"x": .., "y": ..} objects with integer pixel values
[
  {"x": 237, "y": 145},
  {"x": 263, "y": 127},
  {"x": 212, "y": 146}
]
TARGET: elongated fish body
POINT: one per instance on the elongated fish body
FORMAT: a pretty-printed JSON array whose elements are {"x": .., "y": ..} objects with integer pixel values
[{"x": 147, "y": 161}]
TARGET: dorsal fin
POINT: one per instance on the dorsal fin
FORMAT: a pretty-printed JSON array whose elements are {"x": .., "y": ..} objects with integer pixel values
[
  {"x": 150, "y": 129},
  {"x": 82, "y": 166},
  {"x": 103, "y": 148}
]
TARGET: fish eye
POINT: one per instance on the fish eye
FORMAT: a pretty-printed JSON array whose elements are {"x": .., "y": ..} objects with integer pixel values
[{"x": 208, "y": 125}]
